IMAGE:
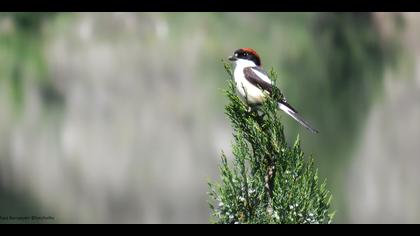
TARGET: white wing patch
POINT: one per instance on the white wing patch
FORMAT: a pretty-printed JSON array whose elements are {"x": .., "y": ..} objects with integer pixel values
[{"x": 262, "y": 76}]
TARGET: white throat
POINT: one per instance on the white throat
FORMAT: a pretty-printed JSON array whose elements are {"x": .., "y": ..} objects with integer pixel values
[{"x": 242, "y": 63}]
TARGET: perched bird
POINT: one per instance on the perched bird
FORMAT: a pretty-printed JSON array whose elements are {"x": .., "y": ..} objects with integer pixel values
[{"x": 251, "y": 82}]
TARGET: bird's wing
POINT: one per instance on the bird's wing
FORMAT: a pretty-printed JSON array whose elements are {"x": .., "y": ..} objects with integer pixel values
[
  {"x": 262, "y": 74},
  {"x": 258, "y": 77}
]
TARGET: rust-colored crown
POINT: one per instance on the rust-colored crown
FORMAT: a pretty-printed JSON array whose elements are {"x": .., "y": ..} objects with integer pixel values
[{"x": 251, "y": 51}]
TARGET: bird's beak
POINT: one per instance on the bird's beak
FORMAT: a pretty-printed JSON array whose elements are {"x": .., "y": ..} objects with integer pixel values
[{"x": 232, "y": 58}]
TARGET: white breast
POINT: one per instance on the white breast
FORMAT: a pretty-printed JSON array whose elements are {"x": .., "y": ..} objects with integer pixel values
[{"x": 249, "y": 92}]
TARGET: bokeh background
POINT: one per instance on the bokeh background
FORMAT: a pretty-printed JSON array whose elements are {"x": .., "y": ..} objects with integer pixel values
[{"x": 119, "y": 117}]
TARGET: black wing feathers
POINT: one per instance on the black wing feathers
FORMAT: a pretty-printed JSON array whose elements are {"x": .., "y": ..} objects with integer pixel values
[{"x": 255, "y": 80}]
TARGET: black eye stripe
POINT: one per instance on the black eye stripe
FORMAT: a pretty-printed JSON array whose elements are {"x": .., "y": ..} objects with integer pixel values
[{"x": 242, "y": 54}]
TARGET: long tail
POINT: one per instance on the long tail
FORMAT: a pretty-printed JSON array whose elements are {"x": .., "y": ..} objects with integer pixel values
[{"x": 284, "y": 106}]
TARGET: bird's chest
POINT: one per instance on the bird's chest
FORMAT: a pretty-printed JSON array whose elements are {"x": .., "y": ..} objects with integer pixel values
[{"x": 248, "y": 91}]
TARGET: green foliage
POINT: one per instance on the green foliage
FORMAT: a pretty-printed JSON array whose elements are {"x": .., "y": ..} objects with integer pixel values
[
  {"x": 22, "y": 56},
  {"x": 268, "y": 181},
  {"x": 28, "y": 21}
]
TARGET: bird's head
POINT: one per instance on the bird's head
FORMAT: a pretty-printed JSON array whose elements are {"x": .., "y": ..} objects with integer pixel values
[{"x": 246, "y": 55}]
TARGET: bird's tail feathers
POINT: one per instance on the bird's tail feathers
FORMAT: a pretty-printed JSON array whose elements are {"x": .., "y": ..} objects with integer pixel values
[{"x": 295, "y": 115}]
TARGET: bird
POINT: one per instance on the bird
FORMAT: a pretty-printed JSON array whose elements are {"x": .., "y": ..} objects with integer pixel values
[{"x": 254, "y": 85}]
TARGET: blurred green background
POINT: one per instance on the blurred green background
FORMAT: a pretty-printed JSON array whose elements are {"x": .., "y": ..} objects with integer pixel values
[{"x": 119, "y": 117}]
